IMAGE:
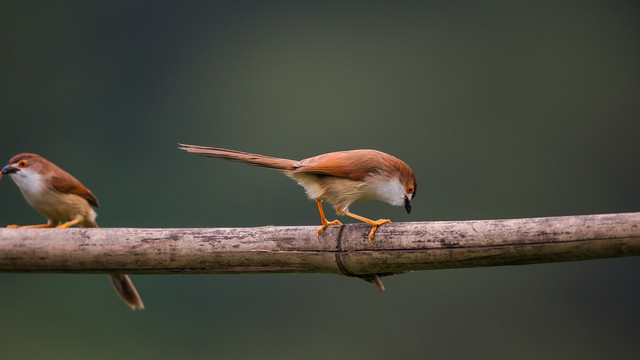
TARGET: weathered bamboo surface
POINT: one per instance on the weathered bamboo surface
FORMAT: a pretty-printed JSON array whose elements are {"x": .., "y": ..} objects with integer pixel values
[{"x": 399, "y": 247}]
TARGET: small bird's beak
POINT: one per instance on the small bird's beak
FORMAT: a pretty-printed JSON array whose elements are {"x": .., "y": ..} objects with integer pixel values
[
  {"x": 8, "y": 170},
  {"x": 407, "y": 204}
]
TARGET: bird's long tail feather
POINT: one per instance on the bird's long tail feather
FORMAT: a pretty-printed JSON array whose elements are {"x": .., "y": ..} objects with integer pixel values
[
  {"x": 125, "y": 289},
  {"x": 122, "y": 283},
  {"x": 254, "y": 159}
]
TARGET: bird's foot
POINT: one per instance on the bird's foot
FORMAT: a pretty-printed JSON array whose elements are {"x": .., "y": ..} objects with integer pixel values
[
  {"x": 68, "y": 224},
  {"x": 324, "y": 226},
  {"x": 374, "y": 227}
]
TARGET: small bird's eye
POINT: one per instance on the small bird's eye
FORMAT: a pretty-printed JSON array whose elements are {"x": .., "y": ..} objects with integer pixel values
[
  {"x": 23, "y": 163},
  {"x": 410, "y": 189}
]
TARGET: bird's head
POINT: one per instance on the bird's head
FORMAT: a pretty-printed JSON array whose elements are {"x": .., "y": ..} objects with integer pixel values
[
  {"x": 25, "y": 169},
  {"x": 396, "y": 187}
]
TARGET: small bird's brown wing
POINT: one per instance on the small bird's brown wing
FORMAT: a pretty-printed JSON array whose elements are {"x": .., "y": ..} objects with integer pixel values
[
  {"x": 67, "y": 184},
  {"x": 353, "y": 164}
]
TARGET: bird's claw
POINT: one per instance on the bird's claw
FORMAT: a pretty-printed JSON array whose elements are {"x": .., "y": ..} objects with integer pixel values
[
  {"x": 374, "y": 227},
  {"x": 324, "y": 226}
]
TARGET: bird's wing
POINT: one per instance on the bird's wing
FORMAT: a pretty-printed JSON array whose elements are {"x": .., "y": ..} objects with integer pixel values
[
  {"x": 353, "y": 164},
  {"x": 67, "y": 184}
]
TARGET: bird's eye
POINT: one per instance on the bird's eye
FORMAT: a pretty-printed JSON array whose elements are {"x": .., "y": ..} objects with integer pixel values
[
  {"x": 23, "y": 163},
  {"x": 410, "y": 189}
]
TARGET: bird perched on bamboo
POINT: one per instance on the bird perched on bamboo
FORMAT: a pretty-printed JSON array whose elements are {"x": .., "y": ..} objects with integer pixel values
[
  {"x": 65, "y": 202},
  {"x": 339, "y": 178}
]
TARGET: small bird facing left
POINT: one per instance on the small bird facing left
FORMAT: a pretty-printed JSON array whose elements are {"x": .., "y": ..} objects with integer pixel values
[{"x": 65, "y": 202}]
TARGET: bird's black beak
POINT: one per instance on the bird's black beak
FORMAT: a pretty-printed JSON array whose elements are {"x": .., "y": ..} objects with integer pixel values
[
  {"x": 407, "y": 204},
  {"x": 9, "y": 170}
]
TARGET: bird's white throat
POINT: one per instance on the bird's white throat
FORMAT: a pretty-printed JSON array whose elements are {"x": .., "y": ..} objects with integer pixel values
[
  {"x": 31, "y": 183},
  {"x": 388, "y": 189}
]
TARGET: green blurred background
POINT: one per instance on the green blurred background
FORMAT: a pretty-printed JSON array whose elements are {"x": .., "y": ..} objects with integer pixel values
[{"x": 503, "y": 109}]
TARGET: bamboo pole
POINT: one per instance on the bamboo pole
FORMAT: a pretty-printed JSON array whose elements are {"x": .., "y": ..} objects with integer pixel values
[{"x": 399, "y": 247}]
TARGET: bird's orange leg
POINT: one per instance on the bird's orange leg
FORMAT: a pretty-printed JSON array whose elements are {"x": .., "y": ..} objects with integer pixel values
[
  {"x": 41, "y": 226},
  {"x": 70, "y": 223},
  {"x": 325, "y": 223},
  {"x": 373, "y": 223}
]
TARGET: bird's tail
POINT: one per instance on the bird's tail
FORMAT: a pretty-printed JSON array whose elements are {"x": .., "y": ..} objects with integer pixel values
[
  {"x": 254, "y": 159},
  {"x": 125, "y": 289},
  {"x": 122, "y": 283}
]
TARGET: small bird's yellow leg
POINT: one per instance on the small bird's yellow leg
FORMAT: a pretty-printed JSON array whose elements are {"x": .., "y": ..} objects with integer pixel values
[
  {"x": 41, "y": 226},
  {"x": 373, "y": 223},
  {"x": 70, "y": 223},
  {"x": 325, "y": 223}
]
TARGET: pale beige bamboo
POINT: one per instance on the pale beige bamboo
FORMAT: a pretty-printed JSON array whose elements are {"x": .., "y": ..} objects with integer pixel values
[{"x": 400, "y": 247}]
